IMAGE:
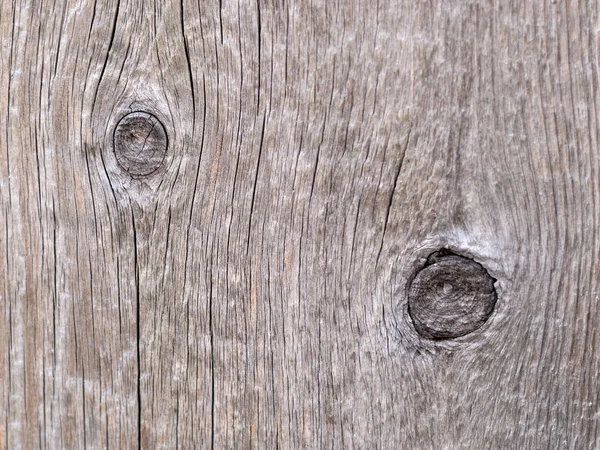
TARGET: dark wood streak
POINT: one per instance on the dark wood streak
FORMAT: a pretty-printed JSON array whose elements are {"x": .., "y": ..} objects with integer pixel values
[{"x": 451, "y": 296}]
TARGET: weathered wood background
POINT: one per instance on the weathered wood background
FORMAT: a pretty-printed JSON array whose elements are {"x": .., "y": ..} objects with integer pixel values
[{"x": 252, "y": 291}]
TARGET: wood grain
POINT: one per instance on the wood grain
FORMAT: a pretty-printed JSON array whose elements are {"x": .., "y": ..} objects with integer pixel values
[
  {"x": 451, "y": 296},
  {"x": 251, "y": 291},
  {"x": 140, "y": 143}
]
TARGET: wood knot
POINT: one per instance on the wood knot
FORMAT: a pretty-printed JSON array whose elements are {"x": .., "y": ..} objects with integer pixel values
[
  {"x": 140, "y": 143},
  {"x": 451, "y": 296}
]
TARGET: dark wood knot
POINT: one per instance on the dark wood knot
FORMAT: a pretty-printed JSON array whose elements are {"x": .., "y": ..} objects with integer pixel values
[
  {"x": 140, "y": 143},
  {"x": 451, "y": 296}
]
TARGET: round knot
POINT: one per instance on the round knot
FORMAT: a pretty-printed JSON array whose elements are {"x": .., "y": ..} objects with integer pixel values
[
  {"x": 140, "y": 143},
  {"x": 451, "y": 296}
]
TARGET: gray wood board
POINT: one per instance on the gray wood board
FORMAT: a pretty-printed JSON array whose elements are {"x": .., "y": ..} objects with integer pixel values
[{"x": 251, "y": 292}]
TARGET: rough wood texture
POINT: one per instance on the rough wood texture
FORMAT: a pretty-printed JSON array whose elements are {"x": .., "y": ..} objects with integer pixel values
[
  {"x": 251, "y": 292},
  {"x": 450, "y": 297},
  {"x": 140, "y": 143}
]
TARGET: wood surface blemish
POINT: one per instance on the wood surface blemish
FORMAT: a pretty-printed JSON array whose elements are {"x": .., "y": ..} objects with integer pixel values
[
  {"x": 451, "y": 296},
  {"x": 140, "y": 143}
]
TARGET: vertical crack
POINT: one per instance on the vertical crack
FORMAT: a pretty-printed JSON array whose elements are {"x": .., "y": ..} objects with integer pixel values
[
  {"x": 212, "y": 371},
  {"x": 137, "y": 325}
]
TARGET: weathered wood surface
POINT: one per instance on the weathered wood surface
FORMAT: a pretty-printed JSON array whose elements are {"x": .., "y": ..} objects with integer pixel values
[{"x": 251, "y": 291}]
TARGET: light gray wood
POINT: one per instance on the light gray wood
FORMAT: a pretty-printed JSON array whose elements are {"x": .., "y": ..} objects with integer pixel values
[{"x": 251, "y": 292}]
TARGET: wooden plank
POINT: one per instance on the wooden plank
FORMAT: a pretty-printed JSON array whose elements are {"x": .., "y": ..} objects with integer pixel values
[{"x": 241, "y": 279}]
